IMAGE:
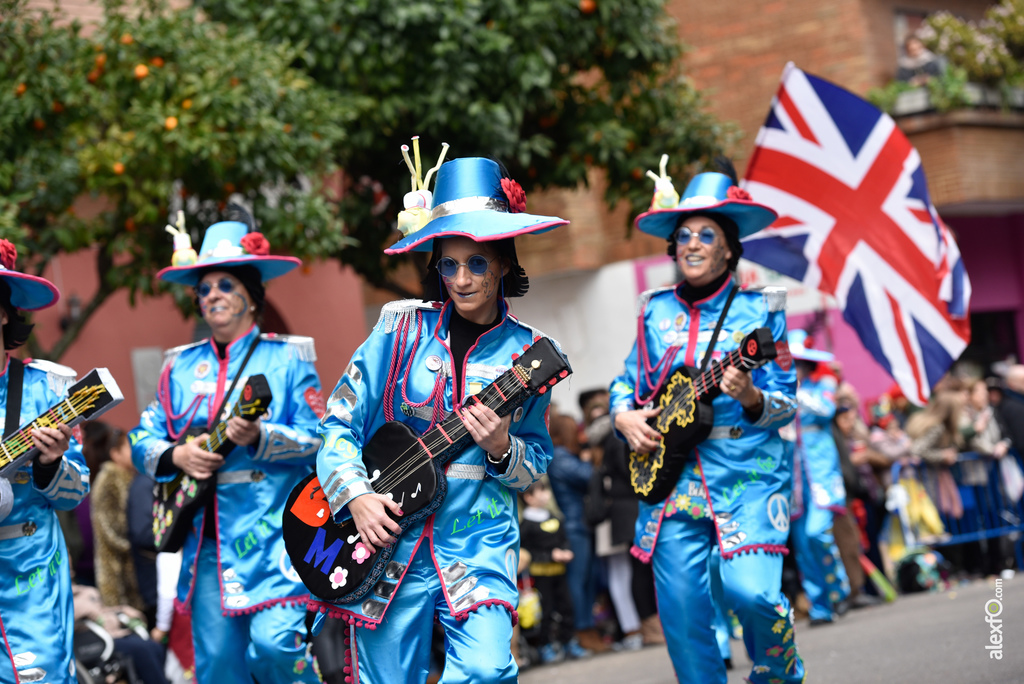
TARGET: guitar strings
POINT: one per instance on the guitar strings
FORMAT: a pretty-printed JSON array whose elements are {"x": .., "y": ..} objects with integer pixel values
[
  {"x": 406, "y": 468},
  {"x": 409, "y": 466},
  {"x": 715, "y": 372},
  {"x": 82, "y": 400}
]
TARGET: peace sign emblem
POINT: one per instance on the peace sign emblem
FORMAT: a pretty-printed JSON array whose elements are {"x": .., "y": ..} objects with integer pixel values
[{"x": 778, "y": 512}]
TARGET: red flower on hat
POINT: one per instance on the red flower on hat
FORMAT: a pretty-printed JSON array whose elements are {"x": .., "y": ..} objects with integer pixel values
[
  {"x": 8, "y": 254},
  {"x": 738, "y": 193},
  {"x": 515, "y": 194},
  {"x": 255, "y": 244}
]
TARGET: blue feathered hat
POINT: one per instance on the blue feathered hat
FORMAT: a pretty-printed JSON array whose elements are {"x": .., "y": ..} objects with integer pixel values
[
  {"x": 706, "y": 192},
  {"x": 470, "y": 199},
  {"x": 225, "y": 244}
]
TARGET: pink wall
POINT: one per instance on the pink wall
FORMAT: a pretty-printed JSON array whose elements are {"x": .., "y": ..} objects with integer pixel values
[{"x": 324, "y": 301}]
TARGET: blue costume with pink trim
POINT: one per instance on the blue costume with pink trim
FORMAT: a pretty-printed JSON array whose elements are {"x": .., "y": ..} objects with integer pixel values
[
  {"x": 246, "y": 600},
  {"x": 818, "y": 493},
  {"x": 36, "y": 608},
  {"x": 734, "y": 492},
  {"x": 460, "y": 563}
]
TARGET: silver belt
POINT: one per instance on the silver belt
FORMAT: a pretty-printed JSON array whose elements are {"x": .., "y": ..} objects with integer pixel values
[
  {"x": 240, "y": 477},
  {"x": 25, "y": 529},
  {"x": 726, "y": 432},
  {"x": 466, "y": 471}
]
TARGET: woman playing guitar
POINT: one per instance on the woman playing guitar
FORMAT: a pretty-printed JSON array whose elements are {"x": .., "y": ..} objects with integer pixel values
[
  {"x": 247, "y": 619},
  {"x": 36, "y": 609},
  {"x": 422, "y": 360},
  {"x": 734, "y": 490}
]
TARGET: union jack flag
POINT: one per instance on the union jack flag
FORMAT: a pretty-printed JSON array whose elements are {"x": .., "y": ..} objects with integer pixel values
[{"x": 855, "y": 221}]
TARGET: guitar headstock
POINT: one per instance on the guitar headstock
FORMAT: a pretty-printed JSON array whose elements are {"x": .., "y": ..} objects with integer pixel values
[
  {"x": 541, "y": 366},
  {"x": 95, "y": 394},
  {"x": 758, "y": 348},
  {"x": 255, "y": 398}
]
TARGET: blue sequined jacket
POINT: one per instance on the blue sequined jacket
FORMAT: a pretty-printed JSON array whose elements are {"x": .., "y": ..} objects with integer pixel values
[
  {"x": 474, "y": 536},
  {"x": 254, "y": 482},
  {"x": 744, "y": 465}
]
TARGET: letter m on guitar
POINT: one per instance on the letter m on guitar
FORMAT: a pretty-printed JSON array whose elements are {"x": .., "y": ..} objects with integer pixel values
[{"x": 324, "y": 557}]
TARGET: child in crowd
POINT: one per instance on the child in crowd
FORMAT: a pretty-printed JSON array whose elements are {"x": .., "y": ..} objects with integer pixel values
[{"x": 543, "y": 536}]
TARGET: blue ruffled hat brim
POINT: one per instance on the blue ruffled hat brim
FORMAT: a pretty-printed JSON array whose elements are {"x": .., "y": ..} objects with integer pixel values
[
  {"x": 270, "y": 267},
  {"x": 750, "y": 217},
  {"x": 479, "y": 226},
  {"x": 29, "y": 292}
]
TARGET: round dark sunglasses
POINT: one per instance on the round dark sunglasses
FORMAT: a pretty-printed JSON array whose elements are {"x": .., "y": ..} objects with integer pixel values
[
  {"x": 477, "y": 265},
  {"x": 224, "y": 285},
  {"x": 706, "y": 236}
]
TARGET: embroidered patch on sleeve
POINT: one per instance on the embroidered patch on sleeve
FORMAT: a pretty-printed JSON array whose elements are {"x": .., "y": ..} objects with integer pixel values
[{"x": 315, "y": 401}]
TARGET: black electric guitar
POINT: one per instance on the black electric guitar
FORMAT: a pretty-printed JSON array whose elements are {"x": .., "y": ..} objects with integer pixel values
[
  {"x": 407, "y": 467},
  {"x": 87, "y": 399},
  {"x": 176, "y": 502},
  {"x": 687, "y": 416}
]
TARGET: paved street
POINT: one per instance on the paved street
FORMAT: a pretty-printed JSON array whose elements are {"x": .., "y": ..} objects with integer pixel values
[{"x": 920, "y": 639}]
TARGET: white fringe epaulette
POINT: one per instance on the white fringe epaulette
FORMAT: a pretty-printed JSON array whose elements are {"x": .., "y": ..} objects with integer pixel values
[
  {"x": 58, "y": 377},
  {"x": 645, "y": 297},
  {"x": 302, "y": 346},
  {"x": 174, "y": 352},
  {"x": 774, "y": 298},
  {"x": 393, "y": 313}
]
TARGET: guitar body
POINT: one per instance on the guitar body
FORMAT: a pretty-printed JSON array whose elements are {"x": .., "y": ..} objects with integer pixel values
[
  {"x": 176, "y": 503},
  {"x": 682, "y": 427},
  {"x": 319, "y": 546},
  {"x": 687, "y": 415}
]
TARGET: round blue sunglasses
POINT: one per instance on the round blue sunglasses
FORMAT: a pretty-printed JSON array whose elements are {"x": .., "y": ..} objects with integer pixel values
[
  {"x": 706, "y": 236},
  {"x": 224, "y": 285},
  {"x": 477, "y": 265}
]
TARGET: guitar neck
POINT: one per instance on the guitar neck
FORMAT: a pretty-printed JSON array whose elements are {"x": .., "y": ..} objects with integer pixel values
[
  {"x": 218, "y": 438},
  {"x": 502, "y": 396},
  {"x": 708, "y": 385},
  {"x": 20, "y": 443}
]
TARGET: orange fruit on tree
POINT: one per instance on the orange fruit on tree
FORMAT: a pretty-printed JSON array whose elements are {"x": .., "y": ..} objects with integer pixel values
[
  {"x": 39, "y": 124},
  {"x": 101, "y": 60},
  {"x": 186, "y": 104},
  {"x": 287, "y": 128},
  {"x": 94, "y": 76},
  {"x": 234, "y": 81},
  {"x": 127, "y": 39},
  {"x": 171, "y": 122},
  {"x": 118, "y": 168},
  {"x": 229, "y": 187},
  {"x": 588, "y": 6},
  {"x": 129, "y": 224},
  {"x": 20, "y": 90},
  {"x": 157, "y": 62},
  {"x": 141, "y": 71},
  {"x": 58, "y": 107}
]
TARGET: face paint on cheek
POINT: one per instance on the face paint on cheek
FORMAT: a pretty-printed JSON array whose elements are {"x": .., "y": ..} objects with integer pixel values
[
  {"x": 488, "y": 284},
  {"x": 718, "y": 259},
  {"x": 243, "y": 305}
]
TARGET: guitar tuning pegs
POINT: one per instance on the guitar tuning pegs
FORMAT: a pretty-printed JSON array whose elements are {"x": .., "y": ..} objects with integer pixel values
[
  {"x": 515, "y": 356},
  {"x": 542, "y": 390},
  {"x": 553, "y": 381},
  {"x": 564, "y": 374},
  {"x": 526, "y": 347},
  {"x": 537, "y": 338}
]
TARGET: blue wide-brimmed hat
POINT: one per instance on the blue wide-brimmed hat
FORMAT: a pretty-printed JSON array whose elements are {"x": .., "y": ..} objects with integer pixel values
[
  {"x": 799, "y": 348},
  {"x": 707, "y": 192},
  {"x": 28, "y": 292},
  {"x": 226, "y": 244},
  {"x": 471, "y": 199}
]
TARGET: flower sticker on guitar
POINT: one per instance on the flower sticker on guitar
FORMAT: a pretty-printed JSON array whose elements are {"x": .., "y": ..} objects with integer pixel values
[
  {"x": 339, "y": 577},
  {"x": 361, "y": 553}
]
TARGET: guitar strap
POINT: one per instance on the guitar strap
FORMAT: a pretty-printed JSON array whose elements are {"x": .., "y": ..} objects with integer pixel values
[
  {"x": 15, "y": 381},
  {"x": 718, "y": 328},
  {"x": 224, "y": 400}
]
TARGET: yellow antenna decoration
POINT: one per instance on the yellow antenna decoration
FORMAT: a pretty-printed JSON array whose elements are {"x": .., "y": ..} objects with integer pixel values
[
  {"x": 183, "y": 255},
  {"x": 419, "y": 200},
  {"x": 665, "y": 195}
]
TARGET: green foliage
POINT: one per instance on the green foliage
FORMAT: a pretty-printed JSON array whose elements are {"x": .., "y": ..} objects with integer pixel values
[
  {"x": 553, "y": 88},
  {"x": 885, "y": 98},
  {"x": 158, "y": 111}
]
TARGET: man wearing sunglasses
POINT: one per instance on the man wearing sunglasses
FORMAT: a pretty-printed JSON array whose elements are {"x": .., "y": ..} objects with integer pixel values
[
  {"x": 248, "y": 617},
  {"x": 734, "y": 490},
  {"x": 422, "y": 360}
]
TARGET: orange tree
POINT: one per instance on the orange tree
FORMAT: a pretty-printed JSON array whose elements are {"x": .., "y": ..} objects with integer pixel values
[
  {"x": 551, "y": 87},
  {"x": 154, "y": 111}
]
